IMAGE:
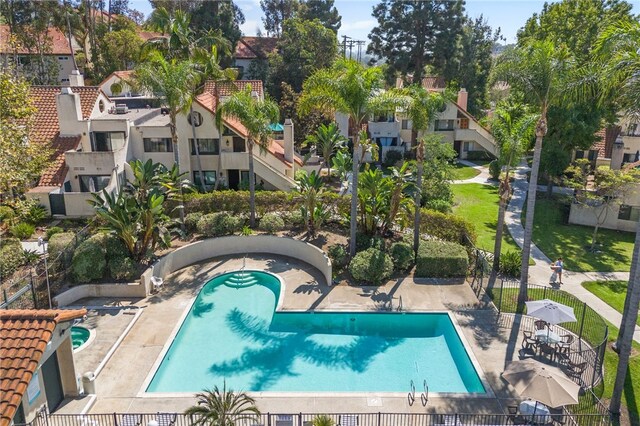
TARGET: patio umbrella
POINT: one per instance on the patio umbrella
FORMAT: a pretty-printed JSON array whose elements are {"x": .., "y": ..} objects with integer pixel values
[
  {"x": 550, "y": 311},
  {"x": 546, "y": 384}
]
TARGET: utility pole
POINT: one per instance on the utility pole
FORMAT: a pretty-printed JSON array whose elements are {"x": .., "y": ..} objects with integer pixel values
[{"x": 344, "y": 45}]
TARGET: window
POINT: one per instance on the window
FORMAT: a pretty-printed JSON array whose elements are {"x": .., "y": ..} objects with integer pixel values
[
  {"x": 406, "y": 125},
  {"x": 244, "y": 177},
  {"x": 633, "y": 130},
  {"x": 196, "y": 118},
  {"x": 63, "y": 58},
  {"x": 205, "y": 146},
  {"x": 579, "y": 154},
  {"x": 101, "y": 105},
  {"x": 627, "y": 212},
  {"x": 444, "y": 125},
  {"x": 465, "y": 146},
  {"x": 93, "y": 183},
  {"x": 106, "y": 141},
  {"x": 209, "y": 178},
  {"x": 158, "y": 145}
]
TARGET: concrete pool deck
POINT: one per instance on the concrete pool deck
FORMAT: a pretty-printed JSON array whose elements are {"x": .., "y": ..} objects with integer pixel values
[{"x": 119, "y": 385}]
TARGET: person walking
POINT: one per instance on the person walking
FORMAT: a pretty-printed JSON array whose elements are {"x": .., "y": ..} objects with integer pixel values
[{"x": 557, "y": 268}]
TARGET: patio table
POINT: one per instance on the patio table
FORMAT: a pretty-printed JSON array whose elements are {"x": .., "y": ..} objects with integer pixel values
[
  {"x": 547, "y": 336},
  {"x": 530, "y": 409}
]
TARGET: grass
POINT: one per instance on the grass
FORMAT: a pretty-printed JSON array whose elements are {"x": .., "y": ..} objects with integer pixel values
[
  {"x": 462, "y": 172},
  {"x": 611, "y": 291},
  {"x": 556, "y": 238},
  {"x": 479, "y": 204}
]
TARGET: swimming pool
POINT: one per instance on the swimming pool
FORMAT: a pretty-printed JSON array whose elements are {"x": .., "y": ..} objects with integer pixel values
[{"x": 231, "y": 332}]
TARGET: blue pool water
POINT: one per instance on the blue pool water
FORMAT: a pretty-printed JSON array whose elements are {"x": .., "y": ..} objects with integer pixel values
[{"x": 232, "y": 333}]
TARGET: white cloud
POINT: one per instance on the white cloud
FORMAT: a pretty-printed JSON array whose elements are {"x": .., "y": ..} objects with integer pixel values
[
  {"x": 366, "y": 24},
  {"x": 250, "y": 27}
]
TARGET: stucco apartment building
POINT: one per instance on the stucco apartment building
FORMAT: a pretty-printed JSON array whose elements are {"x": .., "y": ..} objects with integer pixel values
[
  {"x": 250, "y": 50},
  {"x": 94, "y": 137},
  {"x": 454, "y": 124}
]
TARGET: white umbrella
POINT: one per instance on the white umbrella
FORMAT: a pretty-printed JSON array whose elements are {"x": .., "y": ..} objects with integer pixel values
[
  {"x": 550, "y": 311},
  {"x": 546, "y": 384}
]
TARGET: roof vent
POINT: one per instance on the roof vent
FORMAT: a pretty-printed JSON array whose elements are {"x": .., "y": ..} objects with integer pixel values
[
  {"x": 121, "y": 109},
  {"x": 66, "y": 91}
]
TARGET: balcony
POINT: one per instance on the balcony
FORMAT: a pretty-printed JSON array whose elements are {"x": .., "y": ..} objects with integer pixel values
[
  {"x": 100, "y": 162},
  {"x": 234, "y": 160},
  {"x": 384, "y": 129}
]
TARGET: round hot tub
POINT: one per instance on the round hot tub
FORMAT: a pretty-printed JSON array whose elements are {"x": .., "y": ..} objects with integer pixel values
[{"x": 80, "y": 337}]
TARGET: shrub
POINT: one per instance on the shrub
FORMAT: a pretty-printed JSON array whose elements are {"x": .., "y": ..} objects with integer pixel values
[
  {"x": 11, "y": 256},
  {"x": 511, "y": 263},
  {"x": 439, "y": 205},
  {"x": 271, "y": 223},
  {"x": 495, "y": 169},
  {"x": 6, "y": 214},
  {"x": 295, "y": 218},
  {"x": 123, "y": 268},
  {"x": 191, "y": 221},
  {"x": 36, "y": 214},
  {"x": 371, "y": 266},
  {"x": 479, "y": 155},
  {"x": 402, "y": 256},
  {"x": 441, "y": 259},
  {"x": 219, "y": 224},
  {"x": 365, "y": 241},
  {"x": 448, "y": 227},
  {"x": 338, "y": 255},
  {"x": 392, "y": 158},
  {"x": 89, "y": 260},
  {"x": 53, "y": 231},
  {"x": 22, "y": 230},
  {"x": 61, "y": 249}
]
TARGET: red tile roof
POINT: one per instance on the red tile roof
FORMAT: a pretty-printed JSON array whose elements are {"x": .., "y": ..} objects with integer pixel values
[
  {"x": 434, "y": 82},
  {"x": 599, "y": 144},
  {"x": 24, "y": 335},
  {"x": 59, "y": 42},
  {"x": 148, "y": 35},
  {"x": 46, "y": 128},
  {"x": 226, "y": 88},
  {"x": 255, "y": 47}
]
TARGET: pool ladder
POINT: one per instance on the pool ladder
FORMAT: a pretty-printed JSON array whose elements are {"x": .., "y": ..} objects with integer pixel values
[
  {"x": 424, "y": 395},
  {"x": 399, "y": 308}
]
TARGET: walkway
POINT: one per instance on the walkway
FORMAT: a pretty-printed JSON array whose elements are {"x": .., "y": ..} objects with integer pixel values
[
  {"x": 540, "y": 272},
  {"x": 482, "y": 178}
]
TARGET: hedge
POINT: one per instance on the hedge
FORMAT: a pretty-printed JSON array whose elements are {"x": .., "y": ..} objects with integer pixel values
[
  {"x": 219, "y": 224},
  {"x": 441, "y": 259},
  {"x": 271, "y": 223},
  {"x": 11, "y": 256},
  {"x": 58, "y": 244},
  {"x": 402, "y": 256},
  {"x": 89, "y": 260},
  {"x": 371, "y": 266},
  {"x": 448, "y": 227}
]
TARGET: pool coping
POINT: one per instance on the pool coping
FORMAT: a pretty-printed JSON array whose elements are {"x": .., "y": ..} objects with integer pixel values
[{"x": 142, "y": 393}]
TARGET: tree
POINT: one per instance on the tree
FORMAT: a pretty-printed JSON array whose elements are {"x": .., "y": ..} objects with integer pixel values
[
  {"x": 513, "y": 128},
  {"x": 22, "y": 158},
  {"x": 400, "y": 201},
  {"x": 436, "y": 186},
  {"x": 412, "y": 34},
  {"x": 326, "y": 140},
  {"x": 322, "y": 10},
  {"x": 256, "y": 115},
  {"x": 276, "y": 12},
  {"x": 118, "y": 7},
  {"x": 342, "y": 163},
  {"x": 121, "y": 50},
  {"x": 305, "y": 122},
  {"x": 351, "y": 89},
  {"x": 223, "y": 408},
  {"x": 174, "y": 81},
  {"x": 304, "y": 47},
  {"x": 311, "y": 188},
  {"x": 536, "y": 71}
]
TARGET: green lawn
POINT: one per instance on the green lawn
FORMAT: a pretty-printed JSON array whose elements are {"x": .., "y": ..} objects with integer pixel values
[
  {"x": 479, "y": 204},
  {"x": 462, "y": 172},
  {"x": 556, "y": 238},
  {"x": 613, "y": 292}
]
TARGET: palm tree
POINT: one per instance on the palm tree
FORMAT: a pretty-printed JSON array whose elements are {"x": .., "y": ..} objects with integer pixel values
[
  {"x": 400, "y": 202},
  {"x": 256, "y": 115},
  {"x": 421, "y": 108},
  {"x": 349, "y": 88},
  {"x": 512, "y": 127},
  {"x": 222, "y": 408},
  {"x": 535, "y": 70},
  {"x": 618, "y": 49},
  {"x": 175, "y": 81},
  {"x": 327, "y": 140},
  {"x": 311, "y": 188}
]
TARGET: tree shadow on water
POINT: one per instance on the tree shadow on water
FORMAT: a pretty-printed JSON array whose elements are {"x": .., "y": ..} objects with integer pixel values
[{"x": 277, "y": 352}]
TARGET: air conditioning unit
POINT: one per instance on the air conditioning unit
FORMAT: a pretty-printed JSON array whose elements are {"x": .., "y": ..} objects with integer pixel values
[{"x": 121, "y": 109}]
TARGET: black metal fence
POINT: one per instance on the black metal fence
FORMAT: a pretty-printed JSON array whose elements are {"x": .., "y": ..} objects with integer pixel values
[{"x": 340, "y": 419}]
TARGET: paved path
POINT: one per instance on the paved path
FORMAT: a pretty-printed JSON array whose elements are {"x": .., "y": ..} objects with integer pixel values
[
  {"x": 482, "y": 178},
  {"x": 34, "y": 246},
  {"x": 540, "y": 272}
]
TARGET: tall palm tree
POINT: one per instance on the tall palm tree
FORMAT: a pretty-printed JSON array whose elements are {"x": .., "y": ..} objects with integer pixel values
[
  {"x": 174, "y": 80},
  {"x": 311, "y": 189},
  {"x": 222, "y": 408},
  {"x": 421, "y": 107},
  {"x": 349, "y": 88},
  {"x": 618, "y": 49},
  {"x": 256, "y": 115},
  {"x": 513, "y": 128},
  {"x": 327, "y": 140},
  {"x": 536, "y": 70}
]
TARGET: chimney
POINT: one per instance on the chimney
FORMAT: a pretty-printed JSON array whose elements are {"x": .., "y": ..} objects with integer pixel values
[
  {"x": 69, "y": 112},
  {"x": 617, "y": 154},
  {"x": 76, "y": 79},
  {"x": 289, "y": 154},
  {"x": 463, "y": 97}
]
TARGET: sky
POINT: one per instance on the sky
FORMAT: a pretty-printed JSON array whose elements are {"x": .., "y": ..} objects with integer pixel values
[{"x": 509, "y": 15}]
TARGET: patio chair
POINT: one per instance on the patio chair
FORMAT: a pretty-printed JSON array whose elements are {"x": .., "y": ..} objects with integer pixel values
[
  {"x": 131, "y": 420},
  {"x": 557, "y": 416},
  {"x": 284, "y": 420},
  {"x": 548, "y": 351},
  {"x": 541, "y": 324},
  {"x": 348, "y": 420},
  {"x": 529, "y": 343},
  {"x": 167, "y": 419},
  {"x": 575, "y": 371}
]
